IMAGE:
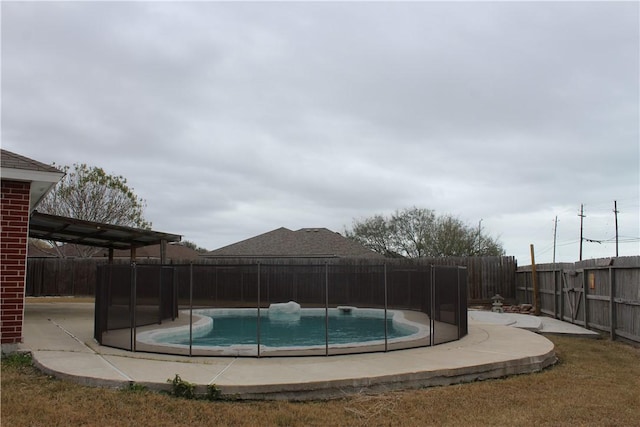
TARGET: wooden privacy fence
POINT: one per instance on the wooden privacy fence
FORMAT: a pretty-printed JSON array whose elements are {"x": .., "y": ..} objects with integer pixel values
[
  {"x": 62, "y": 276},
  {"x": 486, "y": 276},
  {"x": 600, "y": 294}
]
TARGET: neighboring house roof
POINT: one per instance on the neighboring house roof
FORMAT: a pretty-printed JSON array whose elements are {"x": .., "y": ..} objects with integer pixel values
[
  {"x": 14, "y": 167},
  {"x": 285, "y": 243},
  {"x": 173, "y": 252}
]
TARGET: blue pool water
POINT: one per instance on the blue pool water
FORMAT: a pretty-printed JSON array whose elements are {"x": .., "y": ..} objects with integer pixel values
[{"x": 304, "y": 329}]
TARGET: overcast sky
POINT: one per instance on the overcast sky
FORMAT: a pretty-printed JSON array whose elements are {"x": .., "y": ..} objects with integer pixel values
[{"x": 233, "y": 119}]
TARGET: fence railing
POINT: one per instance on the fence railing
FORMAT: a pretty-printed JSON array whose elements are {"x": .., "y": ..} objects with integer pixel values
[
  {"x": 344, "y": 307},
  {"x": 602, "y": 294}
]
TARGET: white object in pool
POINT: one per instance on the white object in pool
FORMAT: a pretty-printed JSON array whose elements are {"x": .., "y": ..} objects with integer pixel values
[
  {"x": 290, "y": 307},
  {"x": 285, "y": 312}
]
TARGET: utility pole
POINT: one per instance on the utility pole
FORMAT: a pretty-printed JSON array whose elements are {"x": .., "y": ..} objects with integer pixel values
[
  {"x": 581, "y": 215},
  {"x": 555, "y": 229},
  {"x": 555, "y": 276},
  {"x": 615, "y": 211}
]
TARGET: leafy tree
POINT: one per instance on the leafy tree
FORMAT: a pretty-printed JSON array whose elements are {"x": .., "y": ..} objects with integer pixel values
[
  {"x": 90, "y": 194},
  {"x": 416, "y": 232}
]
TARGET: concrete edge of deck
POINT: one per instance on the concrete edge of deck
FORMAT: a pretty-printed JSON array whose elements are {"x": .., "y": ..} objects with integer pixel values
[{"x": 62, "y": 346}]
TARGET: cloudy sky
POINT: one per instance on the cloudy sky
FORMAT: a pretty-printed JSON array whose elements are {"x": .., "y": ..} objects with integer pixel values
[{"x": 233, "y": 119}]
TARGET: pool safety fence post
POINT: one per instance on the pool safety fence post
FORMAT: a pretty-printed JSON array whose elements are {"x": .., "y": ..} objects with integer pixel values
[
  {"x": 464, "y": 301},
  {"x": 459, "y": 301},
  {"x": 174, "y": 295},
  {"x": 258, "y": 319},
  {"x": 432, "y": 309},
  {"x": 97, "y": 324},
  {"x": 190, "y": 308},
  {"x": 133, "y": 303},
  {"x": 326, "y": 308},
  {"x": 160, "y": 305},
  {"x": 386, "y": 341},
  {"x": 108, "y": 302}
]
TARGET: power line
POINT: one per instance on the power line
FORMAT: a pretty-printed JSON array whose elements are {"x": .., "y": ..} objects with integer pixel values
[{"x": 599, "y": 228}]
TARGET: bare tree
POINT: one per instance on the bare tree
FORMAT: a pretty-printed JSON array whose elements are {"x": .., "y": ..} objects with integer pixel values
[
  {"x": 375, "y": 233},
  {"x": 90, "y": 194},
  {"x": 416, "y": 232},
  {"x": 413, "y": 231}
]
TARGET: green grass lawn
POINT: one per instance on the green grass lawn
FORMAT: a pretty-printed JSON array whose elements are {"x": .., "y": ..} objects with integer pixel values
[{"x": 596, "y": 382}]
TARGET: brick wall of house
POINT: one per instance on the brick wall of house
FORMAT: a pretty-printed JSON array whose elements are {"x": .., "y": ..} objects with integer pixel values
[{"x": 14, "y": 220}]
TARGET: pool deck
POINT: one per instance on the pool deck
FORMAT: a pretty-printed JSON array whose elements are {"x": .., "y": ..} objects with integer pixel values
[{"x": 60, "y": 338}]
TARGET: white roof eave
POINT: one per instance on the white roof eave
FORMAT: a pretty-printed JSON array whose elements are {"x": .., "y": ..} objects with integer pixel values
[
  {"x": 41, "y": 181},
  {"x": 30, "y": 175}
]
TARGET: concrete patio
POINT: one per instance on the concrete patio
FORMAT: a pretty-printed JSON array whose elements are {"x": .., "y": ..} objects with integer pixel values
[{"x": 60, "y": 337}]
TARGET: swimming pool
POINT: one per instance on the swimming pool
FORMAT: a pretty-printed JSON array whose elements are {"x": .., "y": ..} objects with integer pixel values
[{"x": 287, "y": 327}]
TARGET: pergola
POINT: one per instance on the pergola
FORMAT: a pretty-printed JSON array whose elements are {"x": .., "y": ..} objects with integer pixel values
[
  {"x": 89, "y": 233},
  {"x": 24, "y": 183}
]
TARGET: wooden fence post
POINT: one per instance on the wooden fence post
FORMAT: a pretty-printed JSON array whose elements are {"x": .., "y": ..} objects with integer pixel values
[
  {"x": 585, "y": 300},
  {"x": 612, "y": 304},
  {"x": 562, "y": 285},
  {"x": 534, "y": 279}
]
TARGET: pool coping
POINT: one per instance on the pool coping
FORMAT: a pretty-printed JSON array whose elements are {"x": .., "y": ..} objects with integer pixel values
[{"x": 149, "y": 337}]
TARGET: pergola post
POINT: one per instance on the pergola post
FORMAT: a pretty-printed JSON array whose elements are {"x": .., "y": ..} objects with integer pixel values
[{"x": 163, "y": 251}]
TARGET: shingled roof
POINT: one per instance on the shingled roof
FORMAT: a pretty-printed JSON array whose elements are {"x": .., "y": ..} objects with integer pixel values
[
  {"x": 16, "y": 161},
  {"x": 303, "y": 243}
]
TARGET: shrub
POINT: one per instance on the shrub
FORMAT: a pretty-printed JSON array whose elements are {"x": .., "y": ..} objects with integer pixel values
[
  {"x": 213, "y": 392},
  {"x": 133, "y": 387},
  {"x": 187, "y": 390},
  {"x": 182, "y": 388}
]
